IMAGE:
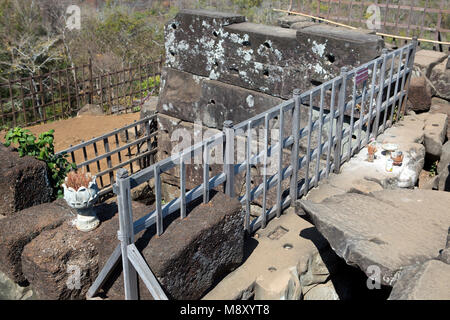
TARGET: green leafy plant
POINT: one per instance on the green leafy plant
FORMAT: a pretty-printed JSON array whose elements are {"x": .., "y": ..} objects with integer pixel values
[
  {"x": 151, "y": 85},
  {"x": 42, "y": 149},
  {"x": 433, "y": 169}
]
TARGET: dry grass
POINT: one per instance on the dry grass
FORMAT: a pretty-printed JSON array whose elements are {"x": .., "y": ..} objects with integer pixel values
[{"x": 76, "y": 180}]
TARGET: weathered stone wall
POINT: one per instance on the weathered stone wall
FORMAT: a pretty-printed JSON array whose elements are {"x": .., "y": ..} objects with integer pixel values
[
  {"x": 267, "y": 59},
  {"x": 220, "y": 67}
]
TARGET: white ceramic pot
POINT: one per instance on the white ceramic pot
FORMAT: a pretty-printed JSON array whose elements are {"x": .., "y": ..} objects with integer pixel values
[{"x": 83, "y": 200}]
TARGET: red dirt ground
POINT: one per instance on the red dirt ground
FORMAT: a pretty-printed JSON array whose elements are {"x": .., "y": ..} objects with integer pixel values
[{"x": 73, "y": 131}]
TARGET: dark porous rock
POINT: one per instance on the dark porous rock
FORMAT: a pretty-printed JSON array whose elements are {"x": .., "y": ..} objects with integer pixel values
[
  {"x": 419, "y": 94},
  {"x": 24, "y": 182},
  {"x": 62, "y": 263},
  {"x": 91, "y": 110},
  {"x": 192, "y": 254},
  {"x": 389, "y": 229},
  {"x": 427, "y": 281},
  {"x": 19, "y": 229}
]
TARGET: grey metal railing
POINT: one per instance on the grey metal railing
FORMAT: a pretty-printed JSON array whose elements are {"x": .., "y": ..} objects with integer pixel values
[
  {"x": 375, "y": 92},
  {"x": 132, "y": 146}
]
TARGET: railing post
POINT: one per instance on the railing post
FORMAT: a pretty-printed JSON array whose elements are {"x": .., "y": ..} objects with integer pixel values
[
  {"x": 340, "y": 124},
  {"x": 410, "y": 67},
  {"x": 293, "y": 192},
  {"x": 126, "y": 233},
  {"x": 228, "y": 167},
  {"x": 91, "y": 83},
  {"x": 380, "y": 94}
]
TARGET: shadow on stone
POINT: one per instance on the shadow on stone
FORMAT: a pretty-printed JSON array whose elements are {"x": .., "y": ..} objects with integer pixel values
[{"x": 349, "y": 282}]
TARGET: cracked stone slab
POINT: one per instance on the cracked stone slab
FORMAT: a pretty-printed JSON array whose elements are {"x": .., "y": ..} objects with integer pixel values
[
  {"x": 435, "y": 132},
  {"x": 428, "y": 281},
  {"x": 391, "y": 229}
]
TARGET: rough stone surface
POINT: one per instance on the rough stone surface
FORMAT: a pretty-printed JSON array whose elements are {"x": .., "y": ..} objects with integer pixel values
[
  {"x": 24, "y": 182},
  {"x": 302, "y": 25},
  {"x": 435, "y": 132},
  {"x": 91, "y": 110},
  {"x": 427, "y": 281},
  {"x": 318, "y": 272},
  {"x": 441, "y": 106},
  {"x": 263, "y": 58},
  {"x": 325, "y": 291},
  {"x": 284, "y": 285},
  {"x": 356, "y": 228},
  {"x": 193, "y": 253},
  {"x": 322, "y": 192},
  {"x": 17, "y": 230},
  {"x": 194, "y": 98},
  {"x": 427, "y": 181},
  {"x": 444, "y": 256},
  {"x": 419, "y": 94},
  {"x": 444, "y": 168},
  {"x": 440, "y": 78},
  {"x": 348, "y": 47},
  {"x": 52, "y": 269},
  {"x": 9, "y": 290},
  {"x": 270, "y": 270},
  {"x": 426, "y": 60},
  {"x": 288, "y": 21}
]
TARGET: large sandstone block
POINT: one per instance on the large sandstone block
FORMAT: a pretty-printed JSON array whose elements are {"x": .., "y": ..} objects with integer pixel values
[
  {"x": 18, "y": 229},
  {"x": 435, "y": 132},
  {"x": 24, "y": 182},
  {"x": 194, "y": 98},
  {"x": 334, "y": 47},
  {"x": 426, "y": 60},
  {"x": 428, "y": 281},
  {"x": 441, "y": 106},
  {"x": 62, "y": 263},
  {"x": 193, "y": 32},
  {"x": 355, "y": 226},
  {"x": 440, "y": 78},
  {"x": 263, "y": 58},
  {"x": 194, "y": 253},
  {"x": 419, "y": 94}
]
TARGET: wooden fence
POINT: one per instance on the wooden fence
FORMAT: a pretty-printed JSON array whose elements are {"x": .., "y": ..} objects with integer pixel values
[
  {"x": 132, "y": 147},
  {"x": 62, "y": 93},
  {"x": 425, "y": 18},
  {"x": 372, "y": 97}
]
